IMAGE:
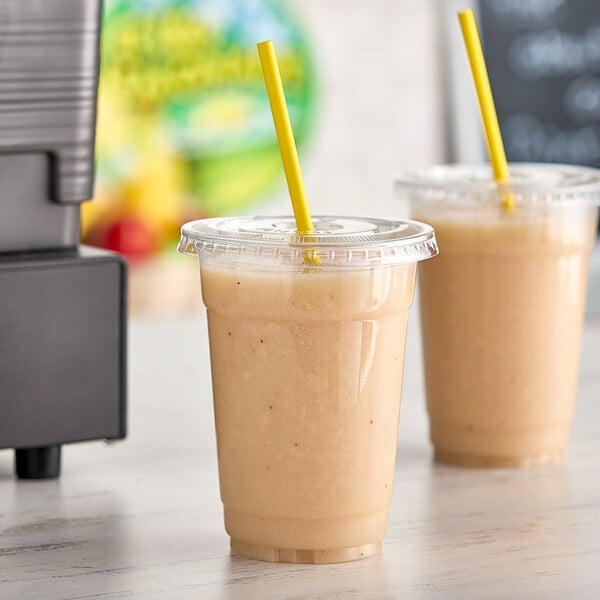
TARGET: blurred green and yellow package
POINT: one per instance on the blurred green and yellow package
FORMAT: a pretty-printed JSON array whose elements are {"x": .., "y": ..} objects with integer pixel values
[{"x": 184, "y": 128}]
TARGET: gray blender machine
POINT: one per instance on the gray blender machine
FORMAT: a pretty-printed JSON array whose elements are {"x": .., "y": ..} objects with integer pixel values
[{"x": 62, "y": 305}]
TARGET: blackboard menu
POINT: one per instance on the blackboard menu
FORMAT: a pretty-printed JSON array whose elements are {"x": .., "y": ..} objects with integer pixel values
[{"x": 543, "y": 58}]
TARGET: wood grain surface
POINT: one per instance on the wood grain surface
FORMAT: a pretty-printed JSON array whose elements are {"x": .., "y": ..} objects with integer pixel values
[{"x": 142, "y": 518}]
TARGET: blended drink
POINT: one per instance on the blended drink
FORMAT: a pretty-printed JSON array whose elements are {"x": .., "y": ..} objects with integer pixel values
[
  {"x": 502, "y": 309},
  {"x": 307, "y": 375}
]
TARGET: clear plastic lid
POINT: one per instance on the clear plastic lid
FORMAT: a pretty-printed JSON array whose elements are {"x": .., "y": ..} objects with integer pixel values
[
  {"x": 530, "y": 183},
  {"x": 341, "y": 242}
]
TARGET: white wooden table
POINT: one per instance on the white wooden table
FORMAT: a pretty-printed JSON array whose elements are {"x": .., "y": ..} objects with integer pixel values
[{"x": 142, "y": 518}]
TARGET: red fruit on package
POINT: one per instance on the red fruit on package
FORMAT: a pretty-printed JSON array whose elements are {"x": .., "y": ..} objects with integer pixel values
[{"x": 127, "y": 236}]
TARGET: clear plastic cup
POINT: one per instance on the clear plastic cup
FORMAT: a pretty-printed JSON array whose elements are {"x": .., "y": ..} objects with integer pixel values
[
  {"x": 307, "y": 370},
  {"x": 502, "y": 308}
]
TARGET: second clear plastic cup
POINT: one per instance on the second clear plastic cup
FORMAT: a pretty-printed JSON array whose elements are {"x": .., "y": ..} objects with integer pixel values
[
  {"x": 307, "y": 370},
  {"x": 502, "y": 308}
]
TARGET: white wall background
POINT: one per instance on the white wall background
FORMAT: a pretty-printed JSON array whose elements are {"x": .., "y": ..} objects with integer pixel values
[{"x": 381, "y": 106}]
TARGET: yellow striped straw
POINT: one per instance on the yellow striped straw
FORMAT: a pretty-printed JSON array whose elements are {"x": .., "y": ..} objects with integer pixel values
[
  {"x": 285, "y": 138},
  {"x": 489, "y": 118}
]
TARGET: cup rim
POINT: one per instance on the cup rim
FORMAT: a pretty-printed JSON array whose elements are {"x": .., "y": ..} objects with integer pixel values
[
  {"x": 400, "y": 240},
  {"x": 529, "y": 184}
]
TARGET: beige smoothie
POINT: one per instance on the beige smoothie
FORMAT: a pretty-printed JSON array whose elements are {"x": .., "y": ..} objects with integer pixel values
[
  {"x": 306, "y": 359},
  {"x": 502, "y": 313},
  {"x": 307, "y": 376},
  {"x": 502, "y": 307}
]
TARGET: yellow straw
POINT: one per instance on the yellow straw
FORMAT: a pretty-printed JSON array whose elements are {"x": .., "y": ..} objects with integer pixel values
[
  {"x": 285, "y": 136},
  {"x": 493, "y": 137}
]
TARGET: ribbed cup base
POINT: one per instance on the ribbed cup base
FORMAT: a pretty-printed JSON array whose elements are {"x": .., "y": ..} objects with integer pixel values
[
  {"x": 288, "y": 555},
  {"x": 470, "y": 460}
]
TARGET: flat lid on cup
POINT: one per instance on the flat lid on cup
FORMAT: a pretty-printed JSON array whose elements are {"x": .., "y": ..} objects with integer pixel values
[
  {"x": 530, "y": 183},
  {"x": 334, "y": 238}
]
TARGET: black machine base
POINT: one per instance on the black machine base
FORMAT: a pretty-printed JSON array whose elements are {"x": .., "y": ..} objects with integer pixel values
[
  {"x": 63, "y": 359},
  {"x": 37, "y": 463}
]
